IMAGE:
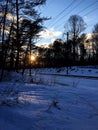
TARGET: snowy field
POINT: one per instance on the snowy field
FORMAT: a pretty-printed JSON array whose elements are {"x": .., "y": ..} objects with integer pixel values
[{"x": 51, "y": 102}]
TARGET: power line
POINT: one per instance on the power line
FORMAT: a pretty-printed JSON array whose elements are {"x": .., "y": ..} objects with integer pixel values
[
  {"x": 59, "y": 14},
  {"x": 80, "y": 12},
  {"x": 87, "y": 7},
  {"x": 67, "y": 13},
  {"x": 84, "y": 15},
  {"x": 90, "y": 11},
  {"x": 65, "y": 9}
]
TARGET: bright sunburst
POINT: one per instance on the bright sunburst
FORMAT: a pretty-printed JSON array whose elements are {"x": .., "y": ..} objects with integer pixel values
[{"x": 33, "y": 58}]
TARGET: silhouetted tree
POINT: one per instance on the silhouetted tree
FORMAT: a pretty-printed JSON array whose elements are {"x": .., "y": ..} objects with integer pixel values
[
  {"x": 4, "y": 48},
  {"x": 24, "y": 25},
  {"x": 25, "y": 9},
  {"x": 75, "y": 27},
  {"x": 95, "y": 39},
  {"x": 81, "y": 41},
  {"x": 58, "y": 51}
]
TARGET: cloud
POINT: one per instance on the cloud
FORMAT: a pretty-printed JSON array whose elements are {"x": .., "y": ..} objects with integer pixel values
[
  {"x": 88, "y": 19},
  {"x": 9, "y": 16},
  {"x": 49, "y": 34},
  {"x": 44, "y": 45}
]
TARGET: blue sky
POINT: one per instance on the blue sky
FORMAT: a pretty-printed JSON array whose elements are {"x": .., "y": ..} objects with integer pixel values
[{"x": 60, "y": 10}]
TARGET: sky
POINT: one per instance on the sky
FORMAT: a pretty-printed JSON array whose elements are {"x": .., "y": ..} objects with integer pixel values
[{"x": 59, "y": 12}]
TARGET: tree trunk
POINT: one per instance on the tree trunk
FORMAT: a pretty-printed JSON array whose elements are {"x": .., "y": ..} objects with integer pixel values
[
  {"x": 3, "y": 47},
  {"x": 17, "y": 37}
]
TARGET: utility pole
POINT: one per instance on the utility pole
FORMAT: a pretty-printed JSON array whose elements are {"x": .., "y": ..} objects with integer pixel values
[{"x": 67, "y": 68}]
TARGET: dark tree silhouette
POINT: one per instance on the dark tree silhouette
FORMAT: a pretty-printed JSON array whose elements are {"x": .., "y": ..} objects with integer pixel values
[
  {"x": 24, "y": 25},
  {"x": 4, "y": 48},
  {"x": 81, "y": 41},
  {"x": 75, "y": 27},
  {"x": 58, "y": 51},
  {"x": 95, "y": 40}
]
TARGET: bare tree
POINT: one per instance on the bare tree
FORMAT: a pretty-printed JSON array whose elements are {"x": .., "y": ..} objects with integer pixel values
[{"x": 75, "y": 27}]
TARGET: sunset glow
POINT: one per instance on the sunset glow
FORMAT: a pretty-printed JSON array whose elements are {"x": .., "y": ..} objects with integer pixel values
[{"x": 32, "y": 58}]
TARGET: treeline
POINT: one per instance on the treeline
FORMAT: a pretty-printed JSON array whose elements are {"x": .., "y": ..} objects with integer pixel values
[
  {"x": 60, "y": 53},
  {"x": 78, "y": 48}
]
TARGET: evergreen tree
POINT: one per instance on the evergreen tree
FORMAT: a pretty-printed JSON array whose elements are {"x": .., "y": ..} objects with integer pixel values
[{"x": 24, "y": 25}]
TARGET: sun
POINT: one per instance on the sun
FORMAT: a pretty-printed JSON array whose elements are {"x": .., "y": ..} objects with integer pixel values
[{"x": 32, "y": 58}]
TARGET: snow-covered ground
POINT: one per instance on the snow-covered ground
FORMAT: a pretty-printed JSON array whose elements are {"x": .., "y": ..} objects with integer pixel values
[{"x": 51, "y": 103}]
